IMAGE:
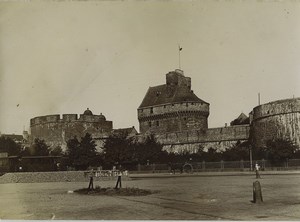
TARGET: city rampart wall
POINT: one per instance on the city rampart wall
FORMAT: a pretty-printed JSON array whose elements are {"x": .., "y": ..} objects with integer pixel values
[{"x": 219, "y": 139}]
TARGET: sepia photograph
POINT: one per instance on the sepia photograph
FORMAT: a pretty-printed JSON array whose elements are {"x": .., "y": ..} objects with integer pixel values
[{"x": 150, "y": 110}]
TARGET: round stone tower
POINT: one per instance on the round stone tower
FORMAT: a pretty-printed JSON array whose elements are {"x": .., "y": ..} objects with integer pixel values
[
  {"x": 278, "y": 119},
  {"x": 57, "y": 131},
  {"x": 172, "y": 107}
]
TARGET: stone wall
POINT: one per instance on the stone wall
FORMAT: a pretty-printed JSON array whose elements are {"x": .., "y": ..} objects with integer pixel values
[
  {"x": 194, "y": 147},
  {"x": 174, "y": 117},
  {"x": 190, "y": 141},
  {"x": 57, "y": 131},
  {"x": 278, "y": 119}
]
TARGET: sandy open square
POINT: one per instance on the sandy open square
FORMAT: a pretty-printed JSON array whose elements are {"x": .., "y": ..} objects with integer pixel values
[{"x": 181, "y": 197}]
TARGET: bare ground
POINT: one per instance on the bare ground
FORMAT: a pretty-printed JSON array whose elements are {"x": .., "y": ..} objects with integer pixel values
[{"x": 180, "y": 197}]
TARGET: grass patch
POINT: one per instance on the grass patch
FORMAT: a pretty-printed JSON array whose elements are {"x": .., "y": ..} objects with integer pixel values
[{"x": 128, "y": 191}]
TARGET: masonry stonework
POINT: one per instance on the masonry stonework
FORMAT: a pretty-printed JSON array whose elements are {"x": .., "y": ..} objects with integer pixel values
[
  {"x": 172, "y": 107},
  {"x": 278, "y": 119},
  {"x": 178, "y": 118},
  {"x": 57, "y": 131}
]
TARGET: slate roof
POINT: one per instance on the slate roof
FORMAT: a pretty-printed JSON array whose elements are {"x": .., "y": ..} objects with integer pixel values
[
  {"x": 162, "y": 94},
  {"x": 242, "y": 119},
  {"x": 125, "y": 131}
]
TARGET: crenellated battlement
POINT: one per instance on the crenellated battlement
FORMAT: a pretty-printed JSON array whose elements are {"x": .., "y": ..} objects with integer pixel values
[
  {"x": 56, "y": 118},
  {"x": 58, "y": 129}
]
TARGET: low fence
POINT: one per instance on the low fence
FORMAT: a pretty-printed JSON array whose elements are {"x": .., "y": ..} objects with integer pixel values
[{"x": 292, "y": 164}]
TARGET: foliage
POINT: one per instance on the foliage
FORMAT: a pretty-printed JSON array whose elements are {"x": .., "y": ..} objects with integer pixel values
[
  {"x": 149, "y": 151},
  {"x": 7, "y": 145},
  {"x": 240, "y": 151},
  {"x": 57, "y": 151},
  {"x": 118, "y": 150},
  {"x": 38, "y": 148},
  {"x": 81, "y": 154},
  {"x": 279, "y": 150},
  {"x": 121, "y": 150}
]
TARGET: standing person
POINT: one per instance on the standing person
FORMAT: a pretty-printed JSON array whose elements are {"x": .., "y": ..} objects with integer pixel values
[
  {"x": 257, "y": 171},
  {"x": 91, "y": 184}
]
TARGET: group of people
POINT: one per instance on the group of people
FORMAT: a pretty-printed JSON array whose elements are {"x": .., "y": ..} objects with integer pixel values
[{"x": 105, "y": 173}]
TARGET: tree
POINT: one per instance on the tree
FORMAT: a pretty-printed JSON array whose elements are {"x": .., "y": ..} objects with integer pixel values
[
  {"x": 239, "y": 151},
  {"x": 7, "y": 145},
  {"x": 87, "y": 151},
  {"x": 57, "y": 151},
  {"x": 212, "y": 155},
  {"x": 279, "y": 150},
  {"x": 119, "y": 150},
  {"x": 38, "y": 148},
  {"x": 150, "y": 150},
  {"x": 73, "y": 151},
  {"x": 81, "y": 154}
]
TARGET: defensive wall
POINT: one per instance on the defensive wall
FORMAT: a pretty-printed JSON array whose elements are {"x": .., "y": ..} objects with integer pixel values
[
  {"x": 170, "y": 117},
  {"x": 278, "y": 119},
  {"x": 56, "y": 131},
  {"x": 190, "y": 141}
]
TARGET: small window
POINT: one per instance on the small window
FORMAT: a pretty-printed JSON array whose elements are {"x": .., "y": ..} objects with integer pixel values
[
  {"x": 142, "y": 110},
  {"x": 149, "y": 124},
  {"x": 157, "y": 123},
  {"x": 165, "y": 106},
  {"x": 172, "y": 104},
  {"x": 151, "y": 110},
  {"x": 184, "y": 118},
  {"x": 192, "y": 103},
  {"x": 187, "y": 104}
]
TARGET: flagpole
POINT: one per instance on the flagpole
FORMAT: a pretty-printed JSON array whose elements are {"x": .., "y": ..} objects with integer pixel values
[
  {"x": 179, "y": 55},
  {"x": 179, "y": 49}
]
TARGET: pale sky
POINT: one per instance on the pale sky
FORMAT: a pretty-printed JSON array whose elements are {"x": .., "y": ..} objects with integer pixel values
[{"x": 64, "y": 56}]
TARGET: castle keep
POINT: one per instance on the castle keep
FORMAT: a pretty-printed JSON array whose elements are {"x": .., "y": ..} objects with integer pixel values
[
  {"x": 172, "y": 107},
  {"x": 56, "y": 131},
  {"x": 178, "y": 118}
]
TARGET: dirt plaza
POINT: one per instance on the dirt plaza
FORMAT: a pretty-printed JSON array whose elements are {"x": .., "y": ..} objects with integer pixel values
[{"x": 183, "y": 197}]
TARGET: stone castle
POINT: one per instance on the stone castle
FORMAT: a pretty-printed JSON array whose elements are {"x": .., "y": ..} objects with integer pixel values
[
  {"x": 179, "y": 120},
  {"x": 56, "y": 131}
]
